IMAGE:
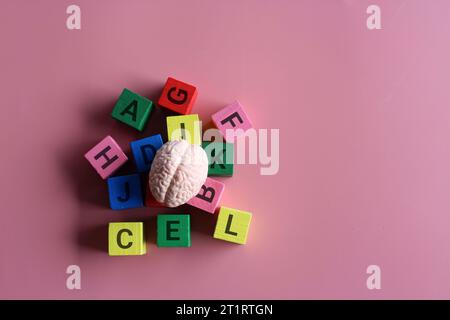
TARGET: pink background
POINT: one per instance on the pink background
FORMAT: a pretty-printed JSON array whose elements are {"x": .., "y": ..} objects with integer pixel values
[{"x": 364, "y": 122}]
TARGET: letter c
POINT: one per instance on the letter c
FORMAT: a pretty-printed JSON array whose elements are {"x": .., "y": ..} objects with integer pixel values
[{"x": 119, "y": 239}]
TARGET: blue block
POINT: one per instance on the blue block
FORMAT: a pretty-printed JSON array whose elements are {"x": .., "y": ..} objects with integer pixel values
[
  {"x": 144, "y": 151},
  {"x": 125, "y": 192}
]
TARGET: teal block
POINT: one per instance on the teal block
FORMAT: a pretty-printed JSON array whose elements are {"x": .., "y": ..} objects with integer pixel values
[
  {"x": 220, "y": 158},
  {"x": 132, "y": 109},
  {"x": 173, "y": 230}
]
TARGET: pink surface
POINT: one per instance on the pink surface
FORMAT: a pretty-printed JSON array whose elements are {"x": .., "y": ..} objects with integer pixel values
[
  {"x": 106, "y": 157},
  {"x": 235, "y": 119},
  {"x": 210, "y": 195},
  {"x": 364, "y": 123}
]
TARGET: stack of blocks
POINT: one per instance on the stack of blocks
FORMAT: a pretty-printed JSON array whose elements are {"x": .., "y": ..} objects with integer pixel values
[{"x": 126, "y": 191}]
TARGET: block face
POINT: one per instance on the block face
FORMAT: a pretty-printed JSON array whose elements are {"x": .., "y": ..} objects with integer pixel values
[
  {"x": 232, "y": 117},
  {"x": 106, "y": 157},
  {"x": 126, "y": 239},
  {"x": 173, "y": 230},
  {"x": 209, "y": 196},
  {"x": 220, "y": 158},
  {"x": 232, "y": 225},
  {"x": 125, "y": 192},
  {"x": 144, "y": 151},
  {"x": 184, "y": 127},
  {"x": 132, "y": 109},
  {"x": 178, "y": 96}
]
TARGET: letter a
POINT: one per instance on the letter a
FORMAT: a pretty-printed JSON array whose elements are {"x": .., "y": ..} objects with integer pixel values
[
  {"x": 374, "y": 280},
  {"x": 74, "y": 20},
  {"x": 374, "y": 20},
  {"x": 74, "y": 280}
]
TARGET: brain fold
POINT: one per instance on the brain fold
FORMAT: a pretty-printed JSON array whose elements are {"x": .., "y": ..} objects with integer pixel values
[{"x": 178, "y": 171}]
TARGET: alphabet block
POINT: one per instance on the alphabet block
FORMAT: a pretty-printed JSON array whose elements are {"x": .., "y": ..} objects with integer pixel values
[
  {"x": 132, "y": 109},
  {"x": 232, "y": 117},
  {"x": 232, "y": 225},
  {"x": 173, "y": 230},
  {"x": 150, "y": 201},
  {"x": 144, "y": 151},
  {"x": 209, "y": 196},
  {"x": 106, "y": 157},
  {"x": 126, "y": 239},
  {"x": 185, "y": 127},
  {"x": 125, "y": 192},
  {"x": 220, "y": 158},
  {"x": 178, "y": 96}
]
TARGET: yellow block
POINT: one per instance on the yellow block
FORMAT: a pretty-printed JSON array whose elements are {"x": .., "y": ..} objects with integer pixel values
[
  {"x": 126, "y": 239},
  {"x": 232, "y": 225},
  {"x": 185, "y": 127}
]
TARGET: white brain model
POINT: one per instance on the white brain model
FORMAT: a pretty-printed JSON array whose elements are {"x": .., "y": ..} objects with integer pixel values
[{"x": 178, "y": 171}]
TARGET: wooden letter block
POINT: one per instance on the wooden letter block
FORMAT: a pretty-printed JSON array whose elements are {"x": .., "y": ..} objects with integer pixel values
[
  {"x": 184, "y": 128},
  {"x": 173, "y": 230},
  {"x": 178, "y": 96},
  {"x": 232, "y": 117},
  {"x": 132, "y": 109},
  {"x": 232, "y": 225},
  {"x": 106, "y": 157},
  {"x": 144, "y": 151},
  {"x": 126, "y": 239},
  {"x": 125, "y": 192},
  {"x": 220, "y": 158},
  {"x": 209, "y": 196}
]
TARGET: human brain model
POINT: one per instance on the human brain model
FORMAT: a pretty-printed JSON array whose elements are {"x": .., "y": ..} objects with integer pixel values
[{"x": 178, "y": 171}]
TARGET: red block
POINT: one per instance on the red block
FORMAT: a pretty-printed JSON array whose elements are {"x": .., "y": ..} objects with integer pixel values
[
  {"x": 178, "y": 96},
  {"x": 150, "y": 201}
]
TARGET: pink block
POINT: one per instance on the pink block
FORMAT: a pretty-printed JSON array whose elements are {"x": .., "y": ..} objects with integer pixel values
[
  {"x": 209, "y": 196},
  {"x": 106, "y": 157},
  {"x": 231, "y": 117}
]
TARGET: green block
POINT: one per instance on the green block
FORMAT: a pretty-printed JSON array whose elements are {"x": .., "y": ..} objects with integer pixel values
[
  {"x": 132, "y": 109},
  {"x": 173, "y": 230},
  {"x": 220, "y": 158}
]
